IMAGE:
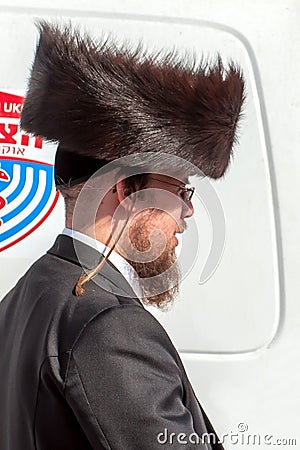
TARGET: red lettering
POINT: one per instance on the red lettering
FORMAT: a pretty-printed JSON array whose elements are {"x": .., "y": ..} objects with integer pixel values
[
  {"x": 10, "y": 105},
  {"x": 8, "y": 131},
  {"x": 25, "y": 140},
  {"x": 38, "y": 142}
]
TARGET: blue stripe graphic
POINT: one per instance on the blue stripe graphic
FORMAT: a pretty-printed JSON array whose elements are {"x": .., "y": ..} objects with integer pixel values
[{"x": 8, "y": 165}]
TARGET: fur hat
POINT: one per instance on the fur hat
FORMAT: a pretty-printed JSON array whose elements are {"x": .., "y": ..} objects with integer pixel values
[{"x": 101, "y": 102}]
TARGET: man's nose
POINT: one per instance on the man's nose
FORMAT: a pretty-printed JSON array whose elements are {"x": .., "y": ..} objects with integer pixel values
[{"x": 187, "y": 209}]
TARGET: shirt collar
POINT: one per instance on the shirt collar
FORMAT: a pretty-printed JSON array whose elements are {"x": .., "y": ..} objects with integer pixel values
[{"x": 117, "y": 260}]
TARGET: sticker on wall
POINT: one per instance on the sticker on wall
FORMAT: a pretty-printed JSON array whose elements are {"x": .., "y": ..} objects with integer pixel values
[{"x": 27, "y": 188}]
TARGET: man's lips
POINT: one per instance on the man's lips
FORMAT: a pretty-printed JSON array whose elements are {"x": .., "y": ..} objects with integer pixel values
[{"x": 179, "y": 231}]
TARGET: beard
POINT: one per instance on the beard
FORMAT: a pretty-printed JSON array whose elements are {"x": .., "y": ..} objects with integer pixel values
[{"x": 156, "y": 265}]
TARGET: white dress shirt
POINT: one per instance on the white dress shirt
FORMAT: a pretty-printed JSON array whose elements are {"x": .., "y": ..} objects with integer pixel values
[{"x": 117, "y": 260}]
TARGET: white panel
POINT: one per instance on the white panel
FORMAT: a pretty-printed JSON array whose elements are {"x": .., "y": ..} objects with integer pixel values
[{"x": 238, "y": 308}]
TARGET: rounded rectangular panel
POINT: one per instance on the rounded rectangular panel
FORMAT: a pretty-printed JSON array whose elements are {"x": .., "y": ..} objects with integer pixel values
[{"x": 237, "y": 309}]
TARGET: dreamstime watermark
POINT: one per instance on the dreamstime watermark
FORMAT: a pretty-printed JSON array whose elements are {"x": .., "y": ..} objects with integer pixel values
[
  {"x": 238, "y": 437},
  {"x": 103, "y": 181}
]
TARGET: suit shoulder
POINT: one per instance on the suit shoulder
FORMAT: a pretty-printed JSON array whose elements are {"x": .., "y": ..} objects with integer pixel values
[
  {"x": 76, "y": 313},
  {"x": 129, "y": 325}
]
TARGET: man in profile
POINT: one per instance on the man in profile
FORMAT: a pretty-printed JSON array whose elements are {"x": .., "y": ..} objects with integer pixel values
[{"x": 83, "y": 364}]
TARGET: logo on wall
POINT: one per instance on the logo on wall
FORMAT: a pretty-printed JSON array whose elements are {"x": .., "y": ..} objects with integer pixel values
[{"x": 27, "y": 189}]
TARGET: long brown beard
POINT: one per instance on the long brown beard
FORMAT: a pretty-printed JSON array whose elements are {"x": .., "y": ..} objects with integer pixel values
[{"x": 160, "y": 291}]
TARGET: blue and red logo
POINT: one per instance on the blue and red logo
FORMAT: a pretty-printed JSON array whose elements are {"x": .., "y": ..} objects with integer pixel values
[{"x": 27, "y": 189}]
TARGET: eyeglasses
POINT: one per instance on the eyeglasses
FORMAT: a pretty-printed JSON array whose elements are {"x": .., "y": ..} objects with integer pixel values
[{"x": 186, "y": 192}]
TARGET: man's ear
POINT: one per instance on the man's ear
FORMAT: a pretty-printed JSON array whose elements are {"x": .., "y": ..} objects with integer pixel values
[{"x": 123, "y": 193}]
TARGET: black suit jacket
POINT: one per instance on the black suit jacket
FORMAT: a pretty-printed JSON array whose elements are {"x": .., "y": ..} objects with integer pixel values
[{"x": 90, "y": 372}]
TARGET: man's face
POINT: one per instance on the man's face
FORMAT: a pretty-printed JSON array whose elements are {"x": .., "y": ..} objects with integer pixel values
[
  {"x": 151, "y": 236},
  {"x": 172, "y": 198}
]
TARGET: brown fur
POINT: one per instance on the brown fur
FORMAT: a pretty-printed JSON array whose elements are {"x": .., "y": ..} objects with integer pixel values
[{"x": 104, "y": 102}]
